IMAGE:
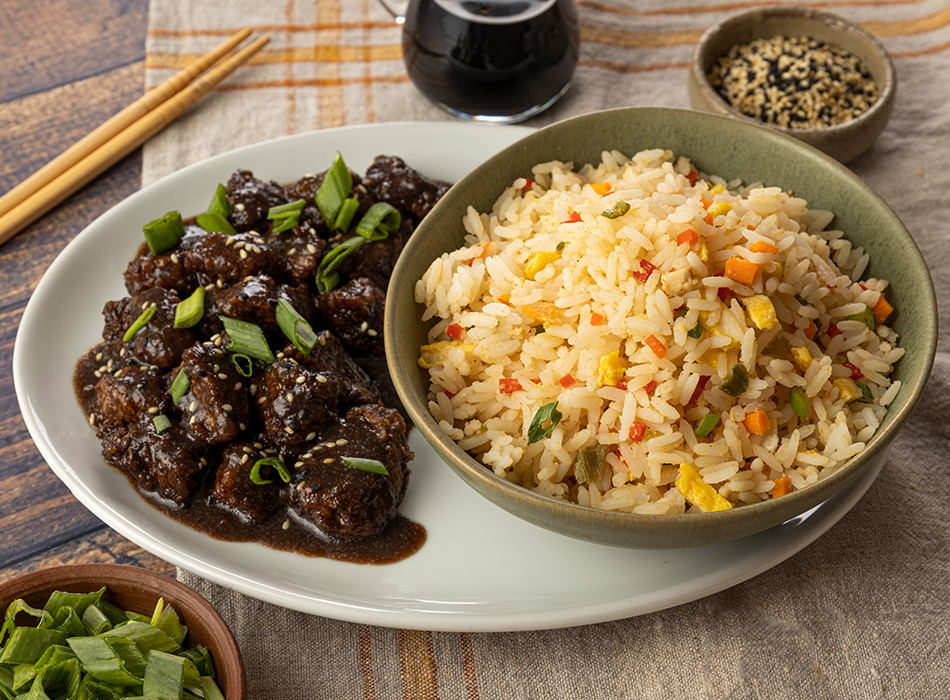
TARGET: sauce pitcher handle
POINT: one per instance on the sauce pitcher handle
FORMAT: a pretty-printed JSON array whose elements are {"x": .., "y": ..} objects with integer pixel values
[{"x": 397, "y": 10}]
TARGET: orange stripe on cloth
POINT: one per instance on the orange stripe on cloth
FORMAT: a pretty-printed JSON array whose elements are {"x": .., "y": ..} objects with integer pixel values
[
  {"x": 289, "y": 72},
  {"x": 318, "y": 82},
  {"x": 366, "y": 662},
  {"x": 417, "y": 666},
  {"x": 639, "y": 40},
  {"x": 905, "y": 27},
  {"x": 316, "y": 54},
  {"x": 157, "y": 32},
  {"x": 367, "y": 73},
  {"x": 624, "y": 68}
]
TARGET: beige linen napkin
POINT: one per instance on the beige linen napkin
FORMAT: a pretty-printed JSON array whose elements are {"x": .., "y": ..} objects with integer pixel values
[{"x": 861, "y": 613}]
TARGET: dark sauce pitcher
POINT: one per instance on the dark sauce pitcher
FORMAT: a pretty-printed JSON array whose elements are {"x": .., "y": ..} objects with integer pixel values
[{"x": 499, "y": 61}]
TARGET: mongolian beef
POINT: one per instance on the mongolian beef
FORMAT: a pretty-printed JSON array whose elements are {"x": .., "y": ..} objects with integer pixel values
[{"x": 242, "y": 386}]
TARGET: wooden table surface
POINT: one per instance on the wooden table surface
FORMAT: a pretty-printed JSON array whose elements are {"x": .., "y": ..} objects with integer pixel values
[{"x": 65, "y": 68}]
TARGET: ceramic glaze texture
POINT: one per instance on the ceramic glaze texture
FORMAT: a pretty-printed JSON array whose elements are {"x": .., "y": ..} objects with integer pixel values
[
  {"x": 844, "y": 142},
  {"x": 731, "y": 149}
]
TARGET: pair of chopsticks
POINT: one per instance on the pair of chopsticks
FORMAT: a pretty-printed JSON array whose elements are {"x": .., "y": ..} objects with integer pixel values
[{"x": 119, "y": 136}]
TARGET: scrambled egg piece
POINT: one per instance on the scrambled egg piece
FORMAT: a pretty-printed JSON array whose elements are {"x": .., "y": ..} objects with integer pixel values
[
  {"x": 717, "y": 208},
  {"x": 610, "y": 371},
  {"x": 847, "y": 389},
  {"x": 538, "y": 261},
  {"x": 698, "y": 492},
  {"x": 438, "y": 353},
  {"x": 716, "y": 189},
  {"x": 677, "y": 283},
  {"x": 761, "y": 311},
  {"x": 801, "y": 357}
]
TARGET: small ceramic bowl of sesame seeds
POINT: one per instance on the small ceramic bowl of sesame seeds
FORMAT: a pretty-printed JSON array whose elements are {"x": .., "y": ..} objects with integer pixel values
[{"x": 806, "y": 73}]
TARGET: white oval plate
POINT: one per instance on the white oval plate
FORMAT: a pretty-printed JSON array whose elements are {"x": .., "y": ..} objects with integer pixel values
[{"x": 481, "y": 569}]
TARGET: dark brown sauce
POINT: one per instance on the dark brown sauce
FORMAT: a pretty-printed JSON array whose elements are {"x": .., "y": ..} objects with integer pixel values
[{"x": 282, "y": 531}]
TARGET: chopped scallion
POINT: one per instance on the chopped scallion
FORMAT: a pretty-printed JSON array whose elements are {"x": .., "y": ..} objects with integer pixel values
[
  {"x": 590, "y": 462},
  {"x": 866, "y": 317},
  {"x": 544, "y": 422},
  {"x": 161, "y": 423},
  {"x": 327, "y": 276},
  {"x": 697, "y": 331},
  {"x": 366, "y": 465},
  {"x": 737, "y": 382},
  {"x": 378, "y": 222},
  {"x": 345, "y": 216},
  {"x": 180, "y": 386},
  {"x": 164, "y": 233},
  {"x": 619, "y": 209},
  {"x": 215, "y": 223},
  {"x": 139, "y": 323},
  {"x": 799, "y": 401},
  {"x": 336, "y": 185},
  {"x": 285, "y": 216},
  {"x": 247, "y": 339},
  {"x": 272, "y": 462},
  {"x": 244, "y": 364},
  {"x": 189, "y": 311},
  {"x": 295, "y": 327},
  {"x": 219, "y": 203},
  {"x": 865, "y": 391},
  {"x": 706, "y": 425}
]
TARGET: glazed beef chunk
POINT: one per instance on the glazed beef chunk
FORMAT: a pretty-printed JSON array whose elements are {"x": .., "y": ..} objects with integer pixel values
[
  {"x": 158, "y": 342},
  {"x": 226, "y": 260},
  {"x": 354, "y": 313},
  {"x": 403, "y": 187},
  {"x": 131, "y": 392},
  {"x": 340, "y": 499},
  {"x": 233, "y": 487},
  {"x": 215, "y": 407},
  {"x": 255, "y": 300},
  {"x": 302, "y": 394},
  {"x": 168, "y": 464},
  {"x": 250, "y": 199}
]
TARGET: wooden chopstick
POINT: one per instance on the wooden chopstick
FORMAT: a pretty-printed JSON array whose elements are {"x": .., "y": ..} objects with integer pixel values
[{"x": 146, "y": 117}]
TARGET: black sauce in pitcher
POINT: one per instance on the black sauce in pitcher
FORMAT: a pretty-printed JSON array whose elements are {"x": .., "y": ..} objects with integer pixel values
[{"x": 491, "y": 60}]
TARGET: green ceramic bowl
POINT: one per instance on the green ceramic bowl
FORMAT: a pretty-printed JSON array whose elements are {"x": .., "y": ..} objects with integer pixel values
[{"x": 729, "y": 148}]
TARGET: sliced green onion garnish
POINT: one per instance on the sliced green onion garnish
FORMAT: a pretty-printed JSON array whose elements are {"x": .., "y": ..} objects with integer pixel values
[
  {"x": 378, "y": 222},
  {"x": 244, "y": 364},
  {"x": 737, "y": 382},
  {"x": 161, "y": 422},
  {"x": 560, "y": 246},
  {"x": 697, "y": 331},
  {"x": 866, "y": 317},
  {"x": 590, "y": 462},
  {"x": 164, "y": 233},
  {"x": 538, "y": 329},
  {"x": 189, "y": 311},
  {"x": 706, "y": 425},
  {"x": 167, "y": 676},
  {"x": 215, "y": 223},
  {"x": 247, "y": 339},
  {"x": 295, "y": 327},
  {"x": 108, "y": 662},
  {"x": 139, "y": 323},
  {"x": 865, "y": 391},
  {"x": 619, "y": 209},
  {"x": 336, "y": 185},
  {"x": 269, "y": 462},
  {"x": 327, "y": 276},
  {"x": 544, "y": 422},
  {"x": 180, "y": 386},
  {"x": 799, "y": 401},
  {"x": 345, "y": 216},
  {"x": 285, "y": 216},
  {"x": 219, "y": 203},
  {"x": 366, "y": 465}
]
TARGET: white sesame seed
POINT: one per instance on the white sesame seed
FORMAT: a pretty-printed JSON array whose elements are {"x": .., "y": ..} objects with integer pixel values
[
  {"x": 288, "y": 430},
  {"x": 243, "y": 254},
  {"x": 239, "y": 206},
  {"x": 290, "y": 397},
  {"x": 237, "y": 386},
  {"x": 228, "y": 407},
  {"x": 92, "y": 419},
  {"x": 371, "y": 333},
  {"x": 291, "y": 251},
  {"x": 262, "y": 400},
  {"x": 298, "y": 464},
  {"x": 222, "y": 375},
  {"x": 286, "y": 524},
  {"x": 329, "y": 460},
  {"x": 311, "y": 248},
  {"x": 192, "y": 420},
  {"x": 174, "y": 258},
  {"x": 98, "y": 357},
  {"x": 322, "y": 379},
  {"x": 192, "y": 405},
  {"x": 243, "y": 459},
  {"x": 308, "y": 455},
  {"x": 153, "y": 410},
  {"x": 229, "y": 240},
  {"x": 301, "y": 379},
  {"x": 253, "y": 390},
  {"x": 311, "y": 436}
]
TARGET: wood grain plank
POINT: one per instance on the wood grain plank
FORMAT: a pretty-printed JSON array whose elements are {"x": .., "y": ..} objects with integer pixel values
[{"x": 50, "y": 43}]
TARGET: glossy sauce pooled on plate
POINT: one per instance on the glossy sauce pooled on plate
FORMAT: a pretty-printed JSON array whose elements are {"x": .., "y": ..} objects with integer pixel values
[{"x": 241, "y": 386}]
